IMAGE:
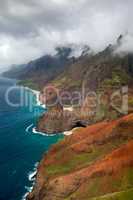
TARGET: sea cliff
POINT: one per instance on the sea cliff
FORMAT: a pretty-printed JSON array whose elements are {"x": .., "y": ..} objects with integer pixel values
[{"x": 95, "y": 162}]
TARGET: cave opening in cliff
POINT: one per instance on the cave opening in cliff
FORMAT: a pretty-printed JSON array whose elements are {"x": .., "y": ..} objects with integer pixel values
[{"x": 79, "y": 124}]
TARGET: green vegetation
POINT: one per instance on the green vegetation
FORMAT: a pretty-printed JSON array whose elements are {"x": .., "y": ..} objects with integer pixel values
[
  {"x": 99, "y": 185},
  {"x": 66, "y": 80},
  {"x": 130, "y": 102},
  {"x": 118, "y": 78},
  {"x": 124, "y": 195},
  {"x": 29, "y": 83},
  {"x": 76, "y": 161},
  {"x": 104, "y": 113},
  {"x": 99, "y": 188}
]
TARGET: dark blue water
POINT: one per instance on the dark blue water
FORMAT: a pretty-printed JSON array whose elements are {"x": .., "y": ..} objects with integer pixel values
[{"x": 19, "y": 150}]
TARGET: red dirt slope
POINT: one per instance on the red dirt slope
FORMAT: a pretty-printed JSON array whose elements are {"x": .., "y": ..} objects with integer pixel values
[{"x": 94, "y": 161}]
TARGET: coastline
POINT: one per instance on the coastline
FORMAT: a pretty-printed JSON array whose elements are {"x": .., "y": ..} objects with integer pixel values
[
  {"x": 32, "y": 174},
  {"x": 37, "y": 94},
  {"x": 67, "y": 133},
  {"x": 38, "y": 103},
  {"x": 86, "y": 162},
  {"x": 31, "y": 177}
]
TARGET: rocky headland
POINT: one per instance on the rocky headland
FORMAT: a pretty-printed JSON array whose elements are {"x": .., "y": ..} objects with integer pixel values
[
  {"x": 96, "y": 161},
  {"x": 95, "y": 86},
  {"x": 94, "y": 94}
]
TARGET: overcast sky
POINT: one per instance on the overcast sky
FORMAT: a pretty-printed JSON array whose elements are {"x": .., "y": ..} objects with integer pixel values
[{"x": 31, "y": 28}]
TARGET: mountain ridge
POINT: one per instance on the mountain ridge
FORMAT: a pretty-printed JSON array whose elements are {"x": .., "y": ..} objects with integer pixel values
[
  {"x": 96, "y": 161},
  {"x": 90, "y": 160}
]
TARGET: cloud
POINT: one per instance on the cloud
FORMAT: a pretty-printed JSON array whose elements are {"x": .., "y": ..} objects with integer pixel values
[
  {"x": 30, "y": 28},
  {"x": 126, "y": 44}
]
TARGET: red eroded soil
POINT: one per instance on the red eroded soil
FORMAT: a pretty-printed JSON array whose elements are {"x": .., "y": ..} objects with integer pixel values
[{"x": 85, "y": 140}]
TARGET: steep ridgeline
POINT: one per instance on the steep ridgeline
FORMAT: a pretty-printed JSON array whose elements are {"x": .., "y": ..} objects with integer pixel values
[
  {"x": 15, "y": 71},
  {"x": 103, "y": 73},
  {"x": 39, "y": 72},
  {"x": 106, "y": 68},
  {"x": 95, "y": 163},
  {"x": 66, "y": 71}
]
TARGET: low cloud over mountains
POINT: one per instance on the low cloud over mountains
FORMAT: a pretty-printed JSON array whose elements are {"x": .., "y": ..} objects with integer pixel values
[{"x": 30, "y": 28}]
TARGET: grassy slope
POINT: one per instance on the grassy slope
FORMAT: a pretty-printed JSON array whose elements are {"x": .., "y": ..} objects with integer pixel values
[
  {"x": 124, "y": 195},
  {"x": 83, "y": 150}
]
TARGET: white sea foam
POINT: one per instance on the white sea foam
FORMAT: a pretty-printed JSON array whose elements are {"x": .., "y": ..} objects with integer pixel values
[
  {"x": 44, "y": 134},
  {"x": 37, "y": 94},
  {"x": 67, "y": 133},
  {"x": 28, "y": 128},
  {"x": 24, "y": 197},
  {"x": 38, "y": 102},
  {"x": 32, "y": 129},
  {"x": 31, "y": 178},
  {"x": 31, "y": 175},
  {"x": 29, "y": 189},
  {"x": 36, "y": 165}
]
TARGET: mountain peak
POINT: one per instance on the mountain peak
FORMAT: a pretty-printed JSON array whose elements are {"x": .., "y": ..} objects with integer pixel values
[{"x": 119, "y": 39}]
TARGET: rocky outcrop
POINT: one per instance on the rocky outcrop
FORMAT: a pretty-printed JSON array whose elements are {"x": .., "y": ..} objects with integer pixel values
[
  {"x": 94, "y": 108},
  {"x": 92, "y": 162},
  {"x": 104, "y": 72},
  {"x": 55, "y": 122},
  {"x": 58, "y": 121}
]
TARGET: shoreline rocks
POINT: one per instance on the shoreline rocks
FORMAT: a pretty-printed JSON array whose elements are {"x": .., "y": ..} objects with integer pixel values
[{"x": 98, "y": 154}]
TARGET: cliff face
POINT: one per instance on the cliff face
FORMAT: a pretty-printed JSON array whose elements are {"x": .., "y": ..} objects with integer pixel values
[
  {"x": 58, "y": 121},
  {"x": 93, "y": 162},
  {"x": 104, "y": 73},
  {"x": 39, "y": 72},
  {"x": 92, "y": 71}
]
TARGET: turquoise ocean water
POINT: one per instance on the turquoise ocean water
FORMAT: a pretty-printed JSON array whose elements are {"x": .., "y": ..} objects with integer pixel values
[{"x": 20, "y": 148}]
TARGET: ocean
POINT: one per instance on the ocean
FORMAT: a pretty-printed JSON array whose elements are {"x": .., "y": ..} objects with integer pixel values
[{"x": 20, "y": 148}]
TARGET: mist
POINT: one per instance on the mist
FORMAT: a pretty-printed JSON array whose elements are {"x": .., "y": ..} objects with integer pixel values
[{"x": 30, "y": 28}]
